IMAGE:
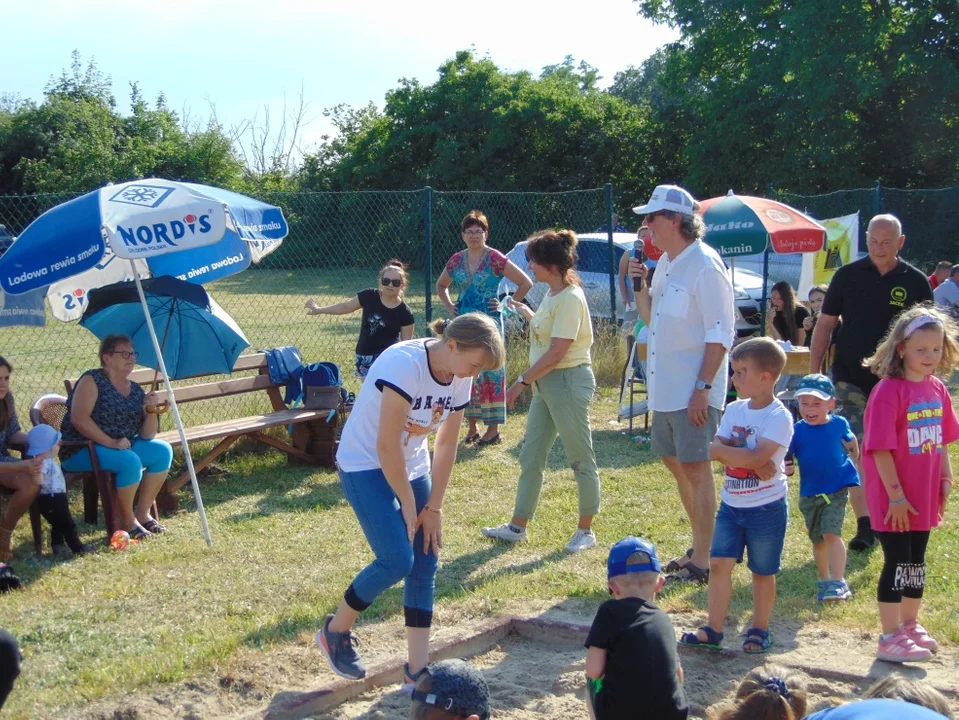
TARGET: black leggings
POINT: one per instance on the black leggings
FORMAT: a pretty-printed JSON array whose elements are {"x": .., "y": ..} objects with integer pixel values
[
  {"x": 55, "y": 509},
  {"x": 904, "y": 567}
]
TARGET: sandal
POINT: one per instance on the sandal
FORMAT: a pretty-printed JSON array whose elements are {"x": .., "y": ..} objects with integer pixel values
[
  {"x": 153, "y": 527},
  {"x": 495, "y": 440},
  {"x": 713, "y": 639},
  {"x": 470, "y": 439},
  {"x": 409, "y": 679},
  {"x": 755, "y": 636},
  {"x": 139, "y": 532},
  {"x": 689, "y": 573},
  {"x": 674, "y": 566}
]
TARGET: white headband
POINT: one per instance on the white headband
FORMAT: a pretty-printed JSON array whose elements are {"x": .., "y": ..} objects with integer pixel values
[{"x": 922, "y": 321}]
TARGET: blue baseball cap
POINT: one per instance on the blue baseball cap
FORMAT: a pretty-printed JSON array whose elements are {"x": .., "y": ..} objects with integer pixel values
[
  {"x": 616, "y": 564},
  {"x": 817, "y": 385}
]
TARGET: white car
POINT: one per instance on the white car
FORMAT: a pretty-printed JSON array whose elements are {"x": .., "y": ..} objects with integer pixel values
[{"x": 593, "y": 269}]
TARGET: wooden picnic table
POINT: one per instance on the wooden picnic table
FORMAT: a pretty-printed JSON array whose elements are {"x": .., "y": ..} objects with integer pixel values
[{"x": 797, "y": 359}]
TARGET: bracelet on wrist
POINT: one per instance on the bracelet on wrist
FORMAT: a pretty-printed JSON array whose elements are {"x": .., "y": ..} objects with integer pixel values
[
  {"x": 946, "y": 480},
  {"x": 900, "y": 501},
  {"x": 438, "y": 511}
]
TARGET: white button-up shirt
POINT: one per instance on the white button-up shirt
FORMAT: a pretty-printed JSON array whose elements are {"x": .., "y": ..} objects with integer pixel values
[{"x": 692, "y": 304}]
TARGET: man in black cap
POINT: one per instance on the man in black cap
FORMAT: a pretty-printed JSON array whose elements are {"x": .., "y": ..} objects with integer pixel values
[{"x": 450, "y": 690}]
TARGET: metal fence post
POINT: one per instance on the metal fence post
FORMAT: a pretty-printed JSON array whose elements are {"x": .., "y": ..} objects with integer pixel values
[
  {"x": 613, "y": 270},
  {"x": 428, "y": 251},
  {"x": 876, "y": 199},
  {"x": 765, "y": 302}
]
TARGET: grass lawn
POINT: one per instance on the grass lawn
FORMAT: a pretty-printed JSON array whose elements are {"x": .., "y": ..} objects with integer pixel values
[{"x": 286, "y": 544}]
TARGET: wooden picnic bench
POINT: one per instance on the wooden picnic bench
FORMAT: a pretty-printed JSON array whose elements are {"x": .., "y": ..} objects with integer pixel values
[{"x": 312, "y": 437}]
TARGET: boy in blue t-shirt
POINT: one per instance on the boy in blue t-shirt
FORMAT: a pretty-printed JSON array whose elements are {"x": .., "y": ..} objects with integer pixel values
[{"x": 827, "y": 453}]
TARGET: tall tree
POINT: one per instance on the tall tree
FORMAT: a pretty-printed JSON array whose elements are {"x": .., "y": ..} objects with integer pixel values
[{"x": 817, "y": 94}]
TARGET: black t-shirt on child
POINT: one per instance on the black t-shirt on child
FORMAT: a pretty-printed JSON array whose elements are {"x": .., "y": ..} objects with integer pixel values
[
  {"x": 381, "y": 325},
  {"x": 641, "y": 662},
  {"x": 867, "y": 302}
]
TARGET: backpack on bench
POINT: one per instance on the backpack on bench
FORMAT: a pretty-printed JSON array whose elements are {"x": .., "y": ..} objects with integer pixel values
[{"x": 322, "y": 386}]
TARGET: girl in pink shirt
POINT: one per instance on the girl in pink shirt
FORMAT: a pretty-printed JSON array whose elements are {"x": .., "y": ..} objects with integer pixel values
[{"x": 909, "y": 422}]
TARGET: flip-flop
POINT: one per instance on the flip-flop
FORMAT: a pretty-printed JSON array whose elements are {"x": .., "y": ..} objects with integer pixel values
[
  {"x": 470, "y": 439},
  {"x": 674, "y": 566},
  {"x": 714, "y": 639},
  {"x": 755, "y": 636},
  {"x": 689, "y": 573}
]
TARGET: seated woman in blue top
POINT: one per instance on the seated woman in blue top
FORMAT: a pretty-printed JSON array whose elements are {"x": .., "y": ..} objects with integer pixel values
[{"x": 108, "y": 409}]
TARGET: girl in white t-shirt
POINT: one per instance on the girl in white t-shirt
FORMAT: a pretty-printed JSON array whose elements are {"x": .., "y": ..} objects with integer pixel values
[{"x": 413, "y": 388}]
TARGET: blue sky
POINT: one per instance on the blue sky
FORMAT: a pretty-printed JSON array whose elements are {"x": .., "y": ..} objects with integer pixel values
[{"x": 242, "y": 55}]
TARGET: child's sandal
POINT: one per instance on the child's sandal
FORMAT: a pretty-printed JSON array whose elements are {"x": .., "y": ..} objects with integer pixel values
[
  {"x": 755, "y": 636},
  {"x": 714, "y": 639}
]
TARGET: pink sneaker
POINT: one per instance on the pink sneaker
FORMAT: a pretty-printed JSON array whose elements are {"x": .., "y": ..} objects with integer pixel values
[
  {"x": 898, "y": 648},
  {"x": 917, "y": 633}
]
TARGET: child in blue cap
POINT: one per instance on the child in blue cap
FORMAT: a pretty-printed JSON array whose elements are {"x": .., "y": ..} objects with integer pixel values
[
  {"x": 827, "y": 453},
  {"x": 632, "y": 668},
  {"x": 52, "y": 502}
]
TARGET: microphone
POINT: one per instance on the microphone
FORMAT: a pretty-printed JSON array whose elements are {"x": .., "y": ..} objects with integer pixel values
[{"x": 639, "y": 253}]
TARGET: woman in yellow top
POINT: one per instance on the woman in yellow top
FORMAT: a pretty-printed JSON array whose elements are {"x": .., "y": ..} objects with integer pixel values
[{"x": 560, "y": 374}]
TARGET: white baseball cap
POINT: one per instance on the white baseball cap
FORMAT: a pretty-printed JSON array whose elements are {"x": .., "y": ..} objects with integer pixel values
[{"x": 668, "y": 197}]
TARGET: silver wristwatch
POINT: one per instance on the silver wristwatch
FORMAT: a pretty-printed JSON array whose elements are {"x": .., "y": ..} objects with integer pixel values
[{"x": 700, "y": 385}]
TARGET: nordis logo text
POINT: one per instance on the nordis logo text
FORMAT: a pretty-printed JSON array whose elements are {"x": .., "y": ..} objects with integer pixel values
[{"x": 167, "y": 232}]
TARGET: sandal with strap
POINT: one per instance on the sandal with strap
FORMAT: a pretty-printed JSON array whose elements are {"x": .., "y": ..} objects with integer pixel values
[
  {"x": 755, "y": 636},
  {"x": 470, "y": 439},
  {"x": 674, "y": 566},
  {"x": 139, "y": 532},
  {"x": 689, "y": 573},
  {"x": 409, "y": 679},
  {"x": 154, "y": 527},
  {"x": 714, "y": 639}
]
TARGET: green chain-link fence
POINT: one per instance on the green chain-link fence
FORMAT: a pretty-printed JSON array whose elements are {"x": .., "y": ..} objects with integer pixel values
[
  {"x": 336, "y": 245},
  {"x": 338, "y": 242}
]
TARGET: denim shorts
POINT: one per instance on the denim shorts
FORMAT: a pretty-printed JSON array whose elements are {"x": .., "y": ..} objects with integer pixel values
[{"x": 761, "y": 531}]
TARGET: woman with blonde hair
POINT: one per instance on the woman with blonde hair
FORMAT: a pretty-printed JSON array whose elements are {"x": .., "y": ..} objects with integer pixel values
[
  {"x": 415, "y": 388},
  {"x": 476, "y": 272},
  {"x": 561, "y": 377}
]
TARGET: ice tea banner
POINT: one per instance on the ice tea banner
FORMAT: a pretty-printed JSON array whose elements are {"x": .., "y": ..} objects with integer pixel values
[{"x": 842, "y": 247}]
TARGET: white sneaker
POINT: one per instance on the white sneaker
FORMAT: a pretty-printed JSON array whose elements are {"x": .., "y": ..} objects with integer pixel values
[
  {"x": 505, "y": 532},
  {"x": 581, "y": 540}
]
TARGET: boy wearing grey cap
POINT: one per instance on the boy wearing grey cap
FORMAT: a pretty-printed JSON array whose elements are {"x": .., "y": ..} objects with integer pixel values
[
  {"x": 450, "y": 690},
  {"x": 632, "y": 668}
]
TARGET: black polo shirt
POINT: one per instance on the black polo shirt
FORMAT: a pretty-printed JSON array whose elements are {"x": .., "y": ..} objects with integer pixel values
[{"x": 867, "y": 302}]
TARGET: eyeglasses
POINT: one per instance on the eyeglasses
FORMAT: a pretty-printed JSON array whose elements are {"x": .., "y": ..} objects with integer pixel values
[
  {"x": 475, "y": 232},
  {"x": 126, "y": 354},
  {"x": 395, "y": 282}
]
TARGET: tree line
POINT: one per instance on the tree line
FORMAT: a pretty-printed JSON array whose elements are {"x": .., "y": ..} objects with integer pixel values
[{"x": 811, "y": 96}]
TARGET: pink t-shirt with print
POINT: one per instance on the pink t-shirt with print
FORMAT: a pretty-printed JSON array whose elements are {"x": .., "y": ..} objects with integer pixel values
[{"x": 915, "y": 421}]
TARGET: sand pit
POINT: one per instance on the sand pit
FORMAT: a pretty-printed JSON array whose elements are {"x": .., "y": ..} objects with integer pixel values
[
  {"x": 535, "y": 668},
  {"x": 537, "y": 671}
]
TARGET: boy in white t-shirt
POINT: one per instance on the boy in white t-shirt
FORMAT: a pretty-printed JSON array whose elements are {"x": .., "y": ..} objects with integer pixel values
[{"x": 752, "y": 441}]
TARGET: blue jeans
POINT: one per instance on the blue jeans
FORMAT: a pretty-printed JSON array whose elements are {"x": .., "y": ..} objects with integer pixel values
[
  {"x": 378, "y": 510},
  {"x": 128, "y": 465},
  {"x": 761, "y": 531}
]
